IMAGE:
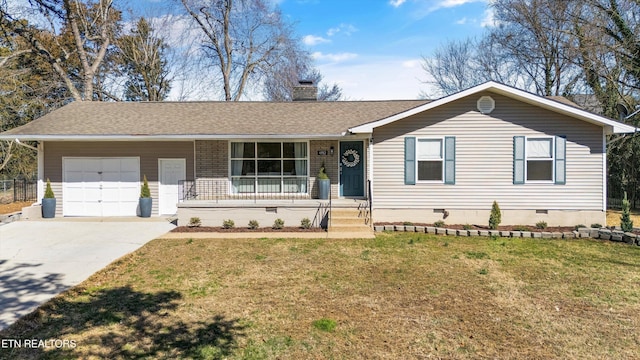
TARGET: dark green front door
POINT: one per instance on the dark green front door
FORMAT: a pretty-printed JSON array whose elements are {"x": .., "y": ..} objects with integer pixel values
[{"x": 351, "y": 168}]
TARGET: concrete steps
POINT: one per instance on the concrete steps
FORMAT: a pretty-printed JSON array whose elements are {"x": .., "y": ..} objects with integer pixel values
[{"x": 349, "y": 222}]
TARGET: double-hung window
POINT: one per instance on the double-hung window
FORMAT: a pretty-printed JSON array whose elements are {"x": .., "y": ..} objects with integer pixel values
[
  {"x": 269, "y": 167},
  {"x": 539, "y": 155},
  {"x": 539, "y": 159},
  {"x": 429, "y": 158}
]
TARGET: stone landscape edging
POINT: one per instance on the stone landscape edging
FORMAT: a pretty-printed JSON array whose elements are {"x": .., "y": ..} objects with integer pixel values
[{"x": 592, "y": 233}]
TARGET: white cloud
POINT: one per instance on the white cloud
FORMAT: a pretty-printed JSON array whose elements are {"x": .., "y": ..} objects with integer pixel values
[
  {"x": 461, "y": 21},
  {"x": 311, "y": 40},
  {"x": 427, "y": 7},
  {"x": 489, "y": 19},
  {"x": 412, "y": 64},
  {"x": 334, "y": 58},
  {"x": 396, "y": 3},
  {"x": 395, "y": 78},
  {"x": 346, "y": 29},
  {"x": 453, "y": 3}
]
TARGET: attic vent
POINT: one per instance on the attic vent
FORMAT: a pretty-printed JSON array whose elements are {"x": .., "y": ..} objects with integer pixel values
[{"x": 486, "y": 104}]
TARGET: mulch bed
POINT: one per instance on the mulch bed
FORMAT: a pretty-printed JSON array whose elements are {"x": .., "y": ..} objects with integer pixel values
[
  {"x": 220, "y": 229},
  {"x": 480, "y": 227}
]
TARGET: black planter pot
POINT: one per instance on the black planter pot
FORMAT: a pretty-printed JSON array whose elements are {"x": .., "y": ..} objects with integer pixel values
[
  {"x": 145, "y": 207},
  {"x": 49, "y": 208},
  {"x": 324, "y": 186}
]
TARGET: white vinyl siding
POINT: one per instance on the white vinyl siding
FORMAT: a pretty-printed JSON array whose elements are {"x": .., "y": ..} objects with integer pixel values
[{"x": 484, "y": 163}]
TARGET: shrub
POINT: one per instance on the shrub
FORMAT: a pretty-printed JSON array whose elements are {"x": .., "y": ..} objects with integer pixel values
[
  {"x": 578, "y": 227},
  {"x": 541, "y": 225},
  {"x": 439, "y": 223},
  {"x": 253, "y": 224},
  {"x": 194, "y": 222},
  {"x": 596, "y": 226},
  {"x": 322, "y": 174},
  {"x": 278, "y": 224},
  {"x": 407, "y": 223},
  {"x": 144, "y": 189},
  {"x": 467, "y": 227},
  {"x": 228, "y": 224},
  {"x": 521, "y": 228},
  {"x": 48, "y": 193},
  {"x": 625, "y": 219},
  {"x": 305, "y": 223},
  {"x": 496, "y": 217}
]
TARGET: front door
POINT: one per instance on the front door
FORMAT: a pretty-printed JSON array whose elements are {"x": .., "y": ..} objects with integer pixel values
[
  {"x": 171, "y": 172},
  {"x": 351, "y": 168}
]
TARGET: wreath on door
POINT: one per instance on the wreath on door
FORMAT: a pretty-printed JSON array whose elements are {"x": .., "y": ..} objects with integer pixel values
[{"x": 350, "y": 158}]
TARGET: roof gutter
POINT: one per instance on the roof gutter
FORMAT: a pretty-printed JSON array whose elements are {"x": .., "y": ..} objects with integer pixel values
[{"x": 35, "y": 137}]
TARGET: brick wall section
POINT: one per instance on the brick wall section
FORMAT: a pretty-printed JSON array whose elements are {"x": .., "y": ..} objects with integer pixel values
[
  {"x": 212, "y": 160},
  {"x": 330, "y": 163},
  {"x": 212, "y": 163}
]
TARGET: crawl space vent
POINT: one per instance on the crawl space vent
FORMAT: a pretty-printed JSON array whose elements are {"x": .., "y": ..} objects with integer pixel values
[{"x": 486, "y": 104}]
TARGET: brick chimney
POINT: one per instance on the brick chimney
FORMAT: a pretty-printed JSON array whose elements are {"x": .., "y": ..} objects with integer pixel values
[{"x": 305, "y": 91}]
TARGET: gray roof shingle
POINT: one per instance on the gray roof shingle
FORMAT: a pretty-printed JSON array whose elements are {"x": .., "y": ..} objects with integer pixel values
[{"x": 210, "y": 118}]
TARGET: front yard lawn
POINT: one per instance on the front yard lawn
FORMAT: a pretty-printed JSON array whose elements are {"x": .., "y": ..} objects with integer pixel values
[{"x": 399, "y": 296}]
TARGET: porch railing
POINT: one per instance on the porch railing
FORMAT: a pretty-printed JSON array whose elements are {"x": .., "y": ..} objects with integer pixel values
[{"x": 261, "y": 189}]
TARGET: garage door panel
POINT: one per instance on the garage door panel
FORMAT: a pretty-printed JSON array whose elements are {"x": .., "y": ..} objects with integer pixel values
[
  {"x": 101, "y": 186},
  {"x": 91, "y": 165}
]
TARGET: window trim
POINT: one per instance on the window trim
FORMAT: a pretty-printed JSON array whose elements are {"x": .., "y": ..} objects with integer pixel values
[
  {"x": 230, "y": 159},
  {"x": 442, "y": 160},
  {"x": 552, "y": 140}
]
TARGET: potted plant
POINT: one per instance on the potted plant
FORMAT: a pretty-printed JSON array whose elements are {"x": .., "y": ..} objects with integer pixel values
[
  {"x": 324, "y": 183},
  {"x": 48, "y": 202},
  {"x": 145, "y": 201}
]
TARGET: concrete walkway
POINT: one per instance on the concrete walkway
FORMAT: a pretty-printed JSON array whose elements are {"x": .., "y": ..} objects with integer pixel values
[{"x": 40, "y": 259}]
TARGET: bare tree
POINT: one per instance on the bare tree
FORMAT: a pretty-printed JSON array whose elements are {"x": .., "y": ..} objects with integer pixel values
[
  {"x": 453, "y": 67},
  {"x": 533, "y": 33},
  {"x": 72, "y": 36},
  {"x": 143, "y": 58},
  {"x": 242, "y": 39},
  {"x": 296, "y": 65}
]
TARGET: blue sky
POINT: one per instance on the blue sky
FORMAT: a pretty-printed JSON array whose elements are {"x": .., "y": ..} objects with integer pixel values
[{"x": 373, "y": 48}]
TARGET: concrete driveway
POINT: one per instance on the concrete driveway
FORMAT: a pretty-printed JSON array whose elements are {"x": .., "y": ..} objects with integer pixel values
[{"x": 40, "y": 259}]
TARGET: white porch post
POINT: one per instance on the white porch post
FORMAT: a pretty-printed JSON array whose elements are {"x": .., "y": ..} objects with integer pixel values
[{"x": 41, "y": 179}]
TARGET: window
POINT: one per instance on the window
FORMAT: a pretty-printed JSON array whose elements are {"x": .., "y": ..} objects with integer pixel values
[
  {"x": 269, "y": 167},
  {"x": 429, "y": 157},
  {"x": 430, "y": 160},
  {"x": 539, "y": 155},
  {"x": 539, "y": 159}
]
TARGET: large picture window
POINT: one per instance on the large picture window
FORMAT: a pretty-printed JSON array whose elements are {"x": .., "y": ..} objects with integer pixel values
[{"x": 269, "y": 167}]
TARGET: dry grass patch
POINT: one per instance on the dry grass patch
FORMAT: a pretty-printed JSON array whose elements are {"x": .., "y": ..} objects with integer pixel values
[
  {"x": 396, "y": 296},
  {"x": 613, "y": 217}
]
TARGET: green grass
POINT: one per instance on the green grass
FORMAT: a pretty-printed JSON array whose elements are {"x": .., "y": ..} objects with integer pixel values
[
  {"x": 404, "y": 295},
  {"x": 327, "y": 325}
]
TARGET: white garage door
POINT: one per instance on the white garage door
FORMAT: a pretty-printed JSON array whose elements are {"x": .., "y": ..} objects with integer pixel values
[{"x": 100, "y": 186}]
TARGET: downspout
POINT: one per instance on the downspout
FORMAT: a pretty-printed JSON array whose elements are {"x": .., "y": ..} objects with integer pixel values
[
  {"x": 370, "y": 177},
  {"x": 604, "y": 171}
]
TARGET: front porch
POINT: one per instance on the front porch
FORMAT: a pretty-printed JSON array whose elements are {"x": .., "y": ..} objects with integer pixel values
[{"x": 214, "y": 201}]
